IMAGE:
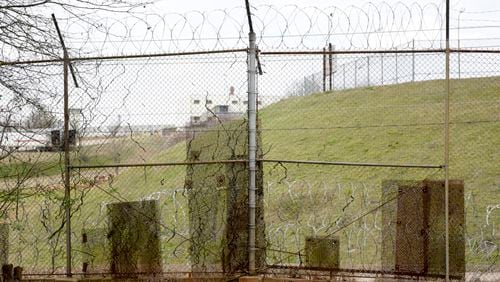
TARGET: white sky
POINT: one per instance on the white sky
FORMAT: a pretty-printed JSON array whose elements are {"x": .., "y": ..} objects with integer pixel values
[
  {"x": 473, "y": 10},
  {"x": 174, "y": 84},
  {"x": 159, "y": 91},
  {"x": 167, "y": 25}
]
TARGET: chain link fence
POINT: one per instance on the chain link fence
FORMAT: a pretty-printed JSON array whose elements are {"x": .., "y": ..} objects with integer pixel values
[{"x": 351, "y": 170}]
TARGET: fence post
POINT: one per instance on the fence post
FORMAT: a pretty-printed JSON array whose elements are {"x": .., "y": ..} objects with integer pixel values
[
  {"x": 343, "y": 70},
  {"x": 330, "y": 63},
  {"x": 396, "y": 58},
  {"x": 333, "y": 80},
  {"x": 413, "y": 61},
  {"x": 7, "y": 274},
  {"x": 382, "y": 68},
  {"x": 459, "y": 70},
  {"x": 324, "y": 69},
  {"x": 67, "y": 199},
  {"x": 252, "y": 150},
  {"x": 368, "y": 69},
  {"x": 446, "y": 143},
  {"x": 355, "y": 73}
]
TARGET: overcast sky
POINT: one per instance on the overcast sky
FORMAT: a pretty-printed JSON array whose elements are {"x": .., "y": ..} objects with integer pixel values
[
  {"x": 173, "y": 25},
  {"x": 161, "y": 90},
  {"x": 473, "y": 12}
]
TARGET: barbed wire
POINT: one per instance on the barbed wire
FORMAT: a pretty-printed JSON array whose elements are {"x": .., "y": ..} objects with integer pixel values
[
  {"x": 278, "y": 27},
  {"x": 294, "y": 208}
]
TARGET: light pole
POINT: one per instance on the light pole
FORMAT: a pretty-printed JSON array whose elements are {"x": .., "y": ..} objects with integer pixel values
[{"x": 458, "y": 38}]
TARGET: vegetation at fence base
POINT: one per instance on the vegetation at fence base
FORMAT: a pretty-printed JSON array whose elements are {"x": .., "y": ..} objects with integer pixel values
[
  {"x": 388, "y": 124},
  {"x": 218, "y": 200}
]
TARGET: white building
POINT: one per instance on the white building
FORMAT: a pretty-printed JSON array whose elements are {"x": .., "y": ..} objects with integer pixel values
[
  {"x": 24, "y": 140},
  {"x": 209, "y": 109}
]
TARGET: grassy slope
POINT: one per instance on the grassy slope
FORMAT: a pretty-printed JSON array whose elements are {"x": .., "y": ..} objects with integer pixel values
[
  {"x": 359, "y": 125},
  {"x": 390, "y": 124},
  {"x": 363, "y": 125}
]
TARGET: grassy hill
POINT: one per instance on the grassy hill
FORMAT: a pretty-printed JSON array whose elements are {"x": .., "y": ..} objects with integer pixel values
[{"x": 394, "y": 124}]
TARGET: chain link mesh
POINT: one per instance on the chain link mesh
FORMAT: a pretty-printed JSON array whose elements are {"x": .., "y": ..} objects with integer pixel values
[{"x": 350, "y": 177}]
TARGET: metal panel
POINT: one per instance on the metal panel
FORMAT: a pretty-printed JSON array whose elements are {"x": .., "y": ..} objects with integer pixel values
[
  {"x": 322, "y": 252},
  {"x": 96, "y": 251},
  {"x": 436, "y": 256}
]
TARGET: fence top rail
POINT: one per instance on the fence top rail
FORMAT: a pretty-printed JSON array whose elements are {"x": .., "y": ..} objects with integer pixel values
[
  {"x": 306, "y": 52},
  {"x": 352, "y": 52},
  {"x": 118, "y": 57},
  {"x": 384, "y": 51}
]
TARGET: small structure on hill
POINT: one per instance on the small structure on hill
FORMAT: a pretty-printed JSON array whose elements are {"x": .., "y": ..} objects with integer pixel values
[{"x": 210, "y": 110}]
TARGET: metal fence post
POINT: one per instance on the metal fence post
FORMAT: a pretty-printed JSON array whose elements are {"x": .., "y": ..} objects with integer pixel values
[
  {"x": 459, "y": 51},
  {"x": 333, "y": 80},
  {"x": 413, "y": 61},
  {"x": 368, "y": 69},
  {"x": 382, "y": 68},
  {"x": 396, "y": 59},
  {"x": 67, "y": 199},
  {"x": 355, "y": 73},
  {"x": 252, "y": 150},
  {"x": 447, "y": 144},
  {"x": 343, "y": 70},
  {"x": 324, "y": 69},
  {"x": 330, "y": 64}
]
